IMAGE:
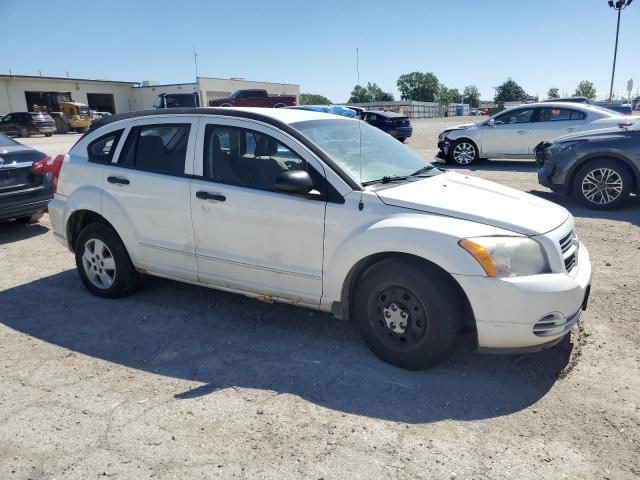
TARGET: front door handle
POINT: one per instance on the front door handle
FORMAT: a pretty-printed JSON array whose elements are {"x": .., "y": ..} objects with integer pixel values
[
  {"x": 118, "y": 180},
  {"x": 571, "y": 129},
  {"x": 522, "y": 132},
  {"x": 210, "y": 196}
]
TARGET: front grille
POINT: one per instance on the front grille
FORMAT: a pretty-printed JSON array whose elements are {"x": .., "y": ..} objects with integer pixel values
[
  {"x": 555, "y": 324},
  {"x": 569, "y": 250}
]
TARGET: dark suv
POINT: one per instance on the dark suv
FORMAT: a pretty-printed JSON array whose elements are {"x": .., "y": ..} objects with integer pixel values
[
  {"x": 601, "y": 168},
  {"x": 25, "y": 124}
]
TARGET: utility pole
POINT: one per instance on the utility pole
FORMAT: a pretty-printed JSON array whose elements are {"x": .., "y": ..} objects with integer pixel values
[{"x": 619, "y": 5}]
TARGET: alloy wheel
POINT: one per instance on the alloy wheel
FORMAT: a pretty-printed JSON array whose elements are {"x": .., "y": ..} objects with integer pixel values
[
  {"x": 464, "y": 153},
  {"x": 602, "y": 186},
  {"x": 99, "y": 264}
]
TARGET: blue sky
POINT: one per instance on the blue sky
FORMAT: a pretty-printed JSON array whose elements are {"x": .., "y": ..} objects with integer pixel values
[{"x": 539, "y": 43}]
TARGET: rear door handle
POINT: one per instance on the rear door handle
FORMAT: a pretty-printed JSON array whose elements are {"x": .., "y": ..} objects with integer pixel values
[
  {"x": 522, "y": 132},
  {"x": 210, "y": 196},
  {"x": 118, "y": 180},
  {"x": 571, "y": 129}
]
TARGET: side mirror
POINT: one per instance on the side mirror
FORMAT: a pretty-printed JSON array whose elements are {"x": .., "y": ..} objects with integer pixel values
[
  {"x": 295, "y": 181},
  {"x": 491, "y": 122}
]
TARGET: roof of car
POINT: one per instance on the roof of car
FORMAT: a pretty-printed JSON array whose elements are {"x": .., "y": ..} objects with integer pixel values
[{"x": 382, "y": 113}]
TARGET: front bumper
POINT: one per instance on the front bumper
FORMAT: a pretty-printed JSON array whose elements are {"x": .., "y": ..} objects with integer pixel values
[{"x": 527, "y": 313}]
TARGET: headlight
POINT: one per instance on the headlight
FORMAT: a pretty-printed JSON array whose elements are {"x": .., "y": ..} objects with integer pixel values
[{"x": 507, "y": 256}]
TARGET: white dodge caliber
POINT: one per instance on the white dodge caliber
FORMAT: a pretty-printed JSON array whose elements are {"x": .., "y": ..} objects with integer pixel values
[{"x": 325, "y": 212}]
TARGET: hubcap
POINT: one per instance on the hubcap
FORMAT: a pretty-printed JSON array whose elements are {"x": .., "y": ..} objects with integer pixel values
[
  {"x": 602, "y": 186},
  {"x": 464, "y": 153},
  {"x": 397, "y": 316},
  {"x": 98, "y": 263}
]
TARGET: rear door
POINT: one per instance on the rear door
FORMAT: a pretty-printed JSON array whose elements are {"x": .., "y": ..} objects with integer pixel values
[
  {"x": 146, "y": 187},
  {"x": 553, "y": 122},
  {"x": 510, "y": 135}
]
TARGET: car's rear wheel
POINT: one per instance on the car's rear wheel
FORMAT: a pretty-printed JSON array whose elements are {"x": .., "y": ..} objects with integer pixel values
[
  {"x": 48, "y": 134},
  {"x": 279, "y": 105},
  {"x": 103, "y": 263},
  {"x": 408, "y": 314},
  {"x": 603, "y": 184},
  {"x": 463, "y": 152},
  {"x": 402, "y": 139},
  {"x": 225, "y": 105}
]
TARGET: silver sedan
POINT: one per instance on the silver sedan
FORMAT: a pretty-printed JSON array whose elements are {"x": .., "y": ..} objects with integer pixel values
[{"x": 515, "y": 132}]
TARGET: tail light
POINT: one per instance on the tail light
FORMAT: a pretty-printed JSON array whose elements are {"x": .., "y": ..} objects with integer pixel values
[
  {"x": 295, "y": 101},
  {"x": 625, "y": 125},
  {"x": 49, "y": 165},
  {"x": 389, "y": 121}
]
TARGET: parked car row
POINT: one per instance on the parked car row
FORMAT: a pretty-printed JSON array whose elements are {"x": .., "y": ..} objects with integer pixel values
[{"x": 25, "y": 124}]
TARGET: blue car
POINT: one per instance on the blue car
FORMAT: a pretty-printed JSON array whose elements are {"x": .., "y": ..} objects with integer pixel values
[
  {"x": 334, "y": 109},
  {"x": 396, "y": 125}
]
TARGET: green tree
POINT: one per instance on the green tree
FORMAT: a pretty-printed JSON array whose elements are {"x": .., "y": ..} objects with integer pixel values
[
  {"x": 585, "y": 89},
  {"x": 471, "y": 95},
  {"x": 553, "y": 93},
  {"x": 377, "y": 94},
  {"x": 419, "y": 86},
  {"x": 448, "y": 95},
  {"x": 371, "y": 93},
  {"x": 314, "y": 99},
  {"x": 510, "y": 91},
  {"x": 359, "y": 94}
]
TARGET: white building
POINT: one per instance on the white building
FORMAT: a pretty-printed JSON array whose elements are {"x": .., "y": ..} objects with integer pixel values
[{"x": 22, "y": 92}]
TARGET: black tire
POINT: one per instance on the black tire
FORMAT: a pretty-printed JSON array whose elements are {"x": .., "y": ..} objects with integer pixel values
[
  {"x": 424, "y": 297},
  {"x": 61, "y": 125},
  {"x": 48, "y": 134},
  {"x": 279, "y": 105},
  {"x": 468, "y": 155},
  {"x": 125, "y": 276},
  {"x": 25, "y": 133},
  {"x": 592, "y": 176},
  {"x": 402, "y": 139},
  {"x": 31, "y": 218}
]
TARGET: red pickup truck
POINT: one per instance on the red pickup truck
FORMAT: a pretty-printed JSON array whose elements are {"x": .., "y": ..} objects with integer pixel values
[{"x": 254, "y": 98}]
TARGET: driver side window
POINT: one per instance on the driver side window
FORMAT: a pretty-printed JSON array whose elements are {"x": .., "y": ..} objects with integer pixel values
[
  {"x": 515, "y": 116},
  {"x": 247, "y": 158}
]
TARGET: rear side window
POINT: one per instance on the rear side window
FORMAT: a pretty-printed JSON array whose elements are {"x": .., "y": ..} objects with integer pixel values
[
  {"x": 559, "y": 115},
  {"x": 158, "y": 148},
  {"x": 101, "y": 150}
]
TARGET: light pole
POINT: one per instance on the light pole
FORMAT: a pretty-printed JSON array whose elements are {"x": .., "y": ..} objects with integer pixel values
[{"x": 618, "y": 5}]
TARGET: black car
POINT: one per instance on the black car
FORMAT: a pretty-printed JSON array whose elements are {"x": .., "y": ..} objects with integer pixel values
[
  {"x": 25, "y": 181},
  {"x": 25, "y": 124},
  {"x": 398, "y": 126},
  {"x": 601, "y": 168}
]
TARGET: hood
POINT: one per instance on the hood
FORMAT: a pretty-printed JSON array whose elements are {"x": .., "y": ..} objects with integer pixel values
[
  {"x": 477, "y": 200},
  {"x": 461, "y": 127}
]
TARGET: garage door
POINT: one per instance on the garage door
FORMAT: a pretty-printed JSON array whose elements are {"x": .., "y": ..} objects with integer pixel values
[{"x": 101, "y": 102}]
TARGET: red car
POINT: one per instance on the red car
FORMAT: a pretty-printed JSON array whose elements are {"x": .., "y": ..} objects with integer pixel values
[{"x": 254, "y": 98}]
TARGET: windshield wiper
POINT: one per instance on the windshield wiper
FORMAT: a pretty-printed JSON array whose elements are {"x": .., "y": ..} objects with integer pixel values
[
  {"x": 424, "y": 169},
  {"x": 385, "y": 179}
]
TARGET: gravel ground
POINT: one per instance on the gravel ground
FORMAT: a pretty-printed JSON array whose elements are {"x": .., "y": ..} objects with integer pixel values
[{"x": 179, "y": 381}]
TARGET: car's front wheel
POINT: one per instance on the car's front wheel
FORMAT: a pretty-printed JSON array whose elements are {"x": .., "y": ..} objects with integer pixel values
[
  {"x": 103, "y": 263},
  {"x": 463, "y": 153},
  {"x": 25, "y": 132},
  {"x": 602, "y": 184},
  {"x": 407, "y": 313}
]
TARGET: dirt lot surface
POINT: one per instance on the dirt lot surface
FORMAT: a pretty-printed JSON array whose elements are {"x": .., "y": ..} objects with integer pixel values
[{"x": 182, "y": 382}]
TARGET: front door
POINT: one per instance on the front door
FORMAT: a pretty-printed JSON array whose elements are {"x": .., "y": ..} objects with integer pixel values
[
  {"x": 146, "y": 192},
  {"x": 510, "y": 135},
  {"x": 248, "y": 236}
]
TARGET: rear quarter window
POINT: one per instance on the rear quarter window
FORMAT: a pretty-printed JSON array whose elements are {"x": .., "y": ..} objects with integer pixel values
[{"x": 101, "y": 150}]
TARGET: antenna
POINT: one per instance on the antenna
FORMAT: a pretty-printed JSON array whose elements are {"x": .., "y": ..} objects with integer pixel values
[
  {"x": 358, "y": 65},
  {"x": 195, "y": 60}
]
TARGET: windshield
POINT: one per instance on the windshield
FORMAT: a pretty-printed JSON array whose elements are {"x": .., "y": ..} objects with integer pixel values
[
  {"x": 382, "y": 155},
  {"x": 6, "y": 141}
]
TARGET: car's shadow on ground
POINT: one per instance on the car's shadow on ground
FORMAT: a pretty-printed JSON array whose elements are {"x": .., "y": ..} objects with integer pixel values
[
  {"x": 225, "y": 340},
  {"x": 629, "y": 213},
  {"x": 15, "y": 231}
]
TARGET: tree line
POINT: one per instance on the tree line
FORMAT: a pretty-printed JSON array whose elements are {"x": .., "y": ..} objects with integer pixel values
[{"x": 425, "y": 87}]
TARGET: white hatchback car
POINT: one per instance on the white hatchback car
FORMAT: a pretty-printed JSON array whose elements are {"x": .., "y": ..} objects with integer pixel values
[
  {"x": 515, "y": 132},
  {"x": 325, "y": 212}
]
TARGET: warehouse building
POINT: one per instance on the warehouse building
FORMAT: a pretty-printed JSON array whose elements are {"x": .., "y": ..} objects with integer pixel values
[{"x": 29, "y": 93}]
